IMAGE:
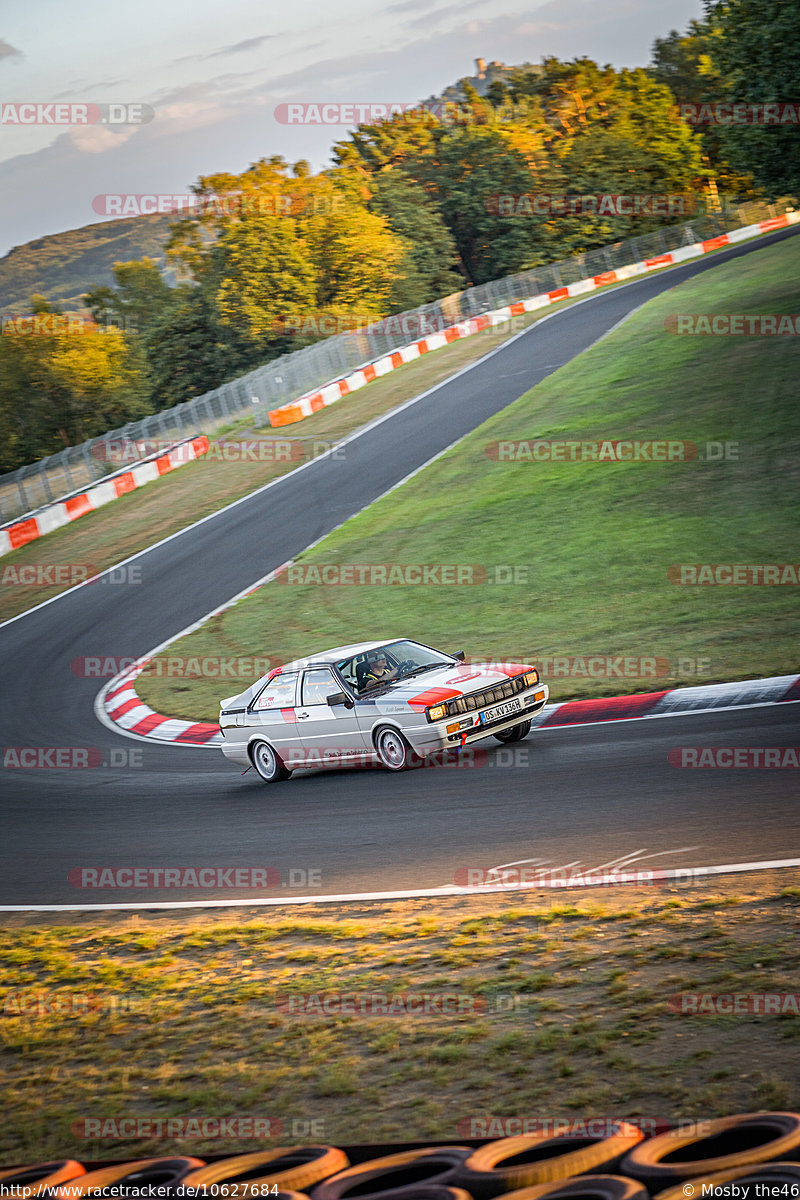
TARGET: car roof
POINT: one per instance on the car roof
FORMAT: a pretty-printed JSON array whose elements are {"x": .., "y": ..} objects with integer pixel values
[{"x": 324, "y": 657}]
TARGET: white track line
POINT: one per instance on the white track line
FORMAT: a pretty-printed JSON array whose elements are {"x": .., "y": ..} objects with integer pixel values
[{"x": 678, "y": 874}]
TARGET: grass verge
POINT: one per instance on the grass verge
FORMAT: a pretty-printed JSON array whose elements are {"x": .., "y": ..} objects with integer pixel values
[
  {"x": 588, "y": 545},
  {"x": 554, "y": 1024}
]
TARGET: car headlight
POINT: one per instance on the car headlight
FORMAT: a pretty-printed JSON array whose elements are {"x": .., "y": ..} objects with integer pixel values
[
  {"x": 437, "y": 712},
  {"x": 531, "y": 678}
]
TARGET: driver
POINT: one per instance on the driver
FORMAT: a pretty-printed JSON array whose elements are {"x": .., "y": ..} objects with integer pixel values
[{"x": 379, "y": 670}]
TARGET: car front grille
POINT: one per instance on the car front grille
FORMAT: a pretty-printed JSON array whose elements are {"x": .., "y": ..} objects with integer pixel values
[{"x": 493, "y": 695}]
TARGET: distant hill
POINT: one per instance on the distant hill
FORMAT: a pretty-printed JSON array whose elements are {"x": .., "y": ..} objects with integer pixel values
[{"x": 62, "y": 266}]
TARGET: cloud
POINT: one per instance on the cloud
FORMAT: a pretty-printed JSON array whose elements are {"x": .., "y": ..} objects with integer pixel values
[
  {"x": 85, "y": 90},
  {"x": 9, "y": 51},
  {"x": 408, "y": 6},
  {"x": 247, "y": 44},
  {"x": 237, "y": 48}
]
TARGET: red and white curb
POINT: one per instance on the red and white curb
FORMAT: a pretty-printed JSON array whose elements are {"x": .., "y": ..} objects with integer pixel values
[
  {"x": 123, "y": 708},
  {"x": 70, "y": 508},
  {"x": 306, "y": 406}
]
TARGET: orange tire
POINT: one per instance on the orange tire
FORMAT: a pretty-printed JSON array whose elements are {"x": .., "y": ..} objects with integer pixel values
[
  {"x": 291, "y": 1168},
  {"x": 535, "y": 1159},
  {"x": 139, "y": 1173},
  {"x": 437, "y": 1165},
  {"x": 41, "y": 1176},
  {"x": 724, "y": 1144}
]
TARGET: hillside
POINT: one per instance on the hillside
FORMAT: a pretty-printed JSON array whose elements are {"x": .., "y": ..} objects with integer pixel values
[{"x": 62, "y": 266}]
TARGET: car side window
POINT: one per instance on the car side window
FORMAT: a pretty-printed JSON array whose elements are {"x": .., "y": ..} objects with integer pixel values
[
  {"x": 278, "y": 693},
  {"x": 318, "y": 685}
]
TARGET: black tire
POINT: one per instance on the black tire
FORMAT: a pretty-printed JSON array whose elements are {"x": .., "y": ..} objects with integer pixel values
[
  {"x": 723, "y": 1144},
  {"x": 162, "y": 1172},
  {"x": 394, "y": 751},
  {"x": 584, "y": 1187},
  {"x": 395, "y": 1174},
  {"x": 40, "y": 1177},
  {"x": 513, "y": 1163},
  {"x": 290, "y": 1169},
  {"x": 515, "y": 734},
  {"x": 267, "y": 763}
]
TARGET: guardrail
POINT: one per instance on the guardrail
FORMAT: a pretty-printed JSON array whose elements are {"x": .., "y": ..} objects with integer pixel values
[{"x": 291, "y": 376}]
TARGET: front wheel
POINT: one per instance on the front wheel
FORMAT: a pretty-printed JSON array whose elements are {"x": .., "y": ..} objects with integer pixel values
[
  {"x": 394, "y": 751},
  {"x": 515, "y": 734},
  {"x": 267, "y": 763}
]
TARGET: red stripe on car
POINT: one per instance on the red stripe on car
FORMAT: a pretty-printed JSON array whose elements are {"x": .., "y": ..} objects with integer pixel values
[{"x": 433, "y": 696}]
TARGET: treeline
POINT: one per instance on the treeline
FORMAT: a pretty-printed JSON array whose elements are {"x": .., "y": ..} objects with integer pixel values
[{"x": 412, "y": 209}]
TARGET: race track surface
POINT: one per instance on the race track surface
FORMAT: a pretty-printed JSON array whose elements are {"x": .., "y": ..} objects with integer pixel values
[{"x": 585, "y": 795}]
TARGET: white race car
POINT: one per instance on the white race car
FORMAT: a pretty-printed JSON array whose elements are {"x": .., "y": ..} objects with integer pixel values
[{"x": 390, "y": 703}]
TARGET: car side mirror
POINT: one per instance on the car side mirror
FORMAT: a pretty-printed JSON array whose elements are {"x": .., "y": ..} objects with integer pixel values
[
  {"x": 459, "y": 656},
  {"x": 339, "y": 698}
]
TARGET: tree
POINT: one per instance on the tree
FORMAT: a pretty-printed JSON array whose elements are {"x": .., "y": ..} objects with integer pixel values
[
  {"x": 755, "y": 51},
  {"x": 190, "y": 351},
  {"x": 141, "y": 294},
  {"x": 428, "y": 269},
  {"x": 63, "y": 382},
  {"x": 683, "y": 63}
]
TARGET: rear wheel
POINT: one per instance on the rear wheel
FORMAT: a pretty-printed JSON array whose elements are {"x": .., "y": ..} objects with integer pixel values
[
  {"x": 394, "y": 751},
  {"x": 515, "y": 734},
  {"x": 267, "y": 763}
]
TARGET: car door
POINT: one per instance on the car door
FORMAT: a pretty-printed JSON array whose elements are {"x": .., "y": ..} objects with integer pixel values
[
  {"x": 328, "y": 731},
  {"x": 273, "y": 714}
]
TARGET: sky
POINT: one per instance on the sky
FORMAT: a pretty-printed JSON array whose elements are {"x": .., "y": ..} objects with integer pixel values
[{"x": 211, "y": 79}]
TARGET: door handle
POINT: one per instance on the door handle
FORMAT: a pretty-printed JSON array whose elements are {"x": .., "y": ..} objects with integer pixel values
[{"x": 301, "y": 716}]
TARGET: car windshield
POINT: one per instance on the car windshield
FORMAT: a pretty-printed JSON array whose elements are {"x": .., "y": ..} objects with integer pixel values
[{"x": 384, "y": 664}]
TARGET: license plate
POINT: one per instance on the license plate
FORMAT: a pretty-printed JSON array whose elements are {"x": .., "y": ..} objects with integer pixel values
[{"x": 500, "y": 710}]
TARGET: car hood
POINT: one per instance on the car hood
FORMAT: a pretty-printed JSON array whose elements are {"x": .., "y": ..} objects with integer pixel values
[{"x": 445, "y": 683}]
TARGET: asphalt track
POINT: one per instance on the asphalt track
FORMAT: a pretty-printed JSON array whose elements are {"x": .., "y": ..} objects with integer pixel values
[{"x": 585, "y": 795}]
